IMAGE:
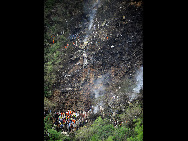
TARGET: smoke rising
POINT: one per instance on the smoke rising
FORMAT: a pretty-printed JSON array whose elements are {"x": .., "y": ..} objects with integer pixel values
[
  {"x": 91, "y": 13},
  {"x": 99, "y": 90},
  {"x": 139, "y": 83}
]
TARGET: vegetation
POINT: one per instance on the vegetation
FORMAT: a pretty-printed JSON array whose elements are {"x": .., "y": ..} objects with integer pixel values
[
  {"x": 57, "y": 15},
  {"x": 56, "y": 56},
  {"x": 51, "y": 67},
  {"x": 130, "y": 127},
  {"x": 53, "y": 133}
]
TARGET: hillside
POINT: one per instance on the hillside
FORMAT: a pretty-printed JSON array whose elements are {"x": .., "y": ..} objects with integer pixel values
[{"x": 93, "y": 60}]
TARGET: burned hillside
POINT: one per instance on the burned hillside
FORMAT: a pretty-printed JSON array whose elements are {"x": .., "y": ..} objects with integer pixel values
[{"x": 100, "y": 50}]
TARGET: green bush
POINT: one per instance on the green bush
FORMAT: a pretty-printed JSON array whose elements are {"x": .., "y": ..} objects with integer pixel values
[
  {"x": 48, "y": 122},
  {"x": 53, "y": 134},
  {"x": 110, "y": 138},
  {"x": 138, "y": 131},
  {"x": 101, "y": 129},
  {"x": 130, "y": 112},
  {"x": 51, "y": 66}
]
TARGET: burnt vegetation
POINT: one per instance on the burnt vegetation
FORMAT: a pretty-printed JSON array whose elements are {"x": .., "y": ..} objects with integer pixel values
[{"x": 88, "y": 69}]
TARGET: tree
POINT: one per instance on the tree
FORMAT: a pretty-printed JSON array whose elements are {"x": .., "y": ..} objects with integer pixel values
[
  {"x": 138, "y": 131},
  {"x": 101, "y": 129},
  {"x": 131, "y": 111},
  {"x": 53, "y": 134}
]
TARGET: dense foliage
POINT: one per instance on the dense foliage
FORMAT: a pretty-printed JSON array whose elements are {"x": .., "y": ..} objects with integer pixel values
[
  {"x": 130, "y": 128},
  {"x": 50, "y": 133}
]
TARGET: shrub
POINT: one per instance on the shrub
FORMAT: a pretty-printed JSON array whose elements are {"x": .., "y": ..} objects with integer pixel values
[
  {"x": 110, "y": 138},
  {"x": 138, "y": 131},
  {"x": 102, "y": 129},
  {"x": 130, "y": 112},
  {"x": 99, "y": 130},
  {"x": 48, "y": 122}
]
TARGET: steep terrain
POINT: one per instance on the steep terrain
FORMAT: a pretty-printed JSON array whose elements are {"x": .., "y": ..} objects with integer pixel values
[
  {"x": 103, "y": 55},
  {"x": 93, "y": 66}
]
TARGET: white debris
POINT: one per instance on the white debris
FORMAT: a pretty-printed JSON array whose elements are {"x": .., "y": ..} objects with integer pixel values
[
  {"x": 112, "y": 46},
  {"x": 84, "y": 54}
]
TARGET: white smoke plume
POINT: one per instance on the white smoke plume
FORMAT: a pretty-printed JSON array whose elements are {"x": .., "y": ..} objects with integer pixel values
[
  {"x": 92, "y": 13},
  {"x": 139, "y": 81},
  {"x": 91, "y": 18},
  {"x": 139, "y": 84},
  {"x": 99, "y": 90}
]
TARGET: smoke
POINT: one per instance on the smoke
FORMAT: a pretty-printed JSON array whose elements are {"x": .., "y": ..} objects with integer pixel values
[
  {"x": 139, "y": 81},
  {"x": 139, "y": 84},
  {"x": 92, "y": 12},
  {"x": 96, "y": 109},
  {"x": 99, "y": 90}
]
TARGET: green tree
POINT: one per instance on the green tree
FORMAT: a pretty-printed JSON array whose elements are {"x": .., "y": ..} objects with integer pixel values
[
  {"x": 53, "y": 134},
  {"x": 47, "y": 123},
  {"x": 138, "y": 131},
  {"x": 133, "y": 110},
  {"x": 110, "y": 138},
  {"x": 101, "y": 129}
]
